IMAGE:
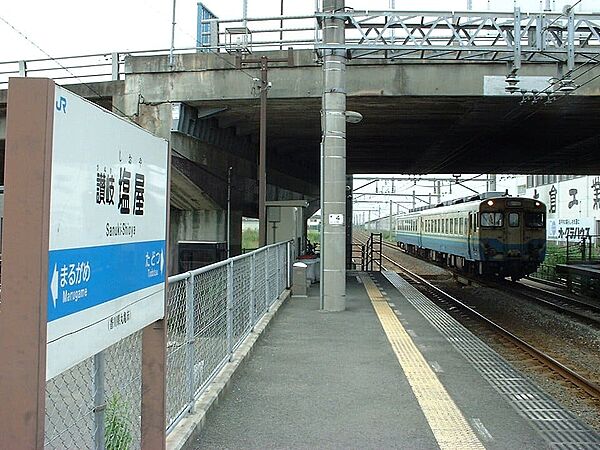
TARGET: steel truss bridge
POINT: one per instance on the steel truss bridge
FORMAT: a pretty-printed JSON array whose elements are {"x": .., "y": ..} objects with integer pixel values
[{"x": 512, "y": 38}]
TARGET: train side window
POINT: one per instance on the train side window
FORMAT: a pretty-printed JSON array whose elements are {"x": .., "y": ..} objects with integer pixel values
[{"x": 513, "y": 219}]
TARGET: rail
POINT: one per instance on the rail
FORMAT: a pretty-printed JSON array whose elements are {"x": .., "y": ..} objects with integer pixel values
[
  {"x": 464, "y": 36},
  {"x": 568, "y": 374}
]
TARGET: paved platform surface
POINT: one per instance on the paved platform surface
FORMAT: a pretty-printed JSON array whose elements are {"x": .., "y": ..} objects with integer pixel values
[{"x": 333, "y": 380}]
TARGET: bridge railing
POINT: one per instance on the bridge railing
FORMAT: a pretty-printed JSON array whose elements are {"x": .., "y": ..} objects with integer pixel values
[
  {"x": 440, "y": 35},
  {"x": 90, "y": 68},
  {"x": 516, "y": 37},
  {"x": 210, "y": 311}
]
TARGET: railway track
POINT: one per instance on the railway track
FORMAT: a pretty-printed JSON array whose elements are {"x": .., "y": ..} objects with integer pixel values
[
  {"x": 583, "y": 311},
  {"x": 579, "y": 309},
  {"x": 439, "y": 296},
  {"x": 435, "y": 293}
]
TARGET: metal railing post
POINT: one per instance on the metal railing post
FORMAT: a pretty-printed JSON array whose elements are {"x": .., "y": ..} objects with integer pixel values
[
  {"x": 115, "y": 66},
  {"x": 230, "y": 309},
  {"x": 288, "y": 281},
  {"x": 252, "y": 291},
  {"x": 99, "y": 401},
  {"x": 267, "y": 297},
  {"x": 278, "y": 248},
  {"x": 189, "y": 339}
]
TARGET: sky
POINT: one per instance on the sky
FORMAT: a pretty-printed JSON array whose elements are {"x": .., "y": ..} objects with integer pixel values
[{"x": 79, "y": 27}]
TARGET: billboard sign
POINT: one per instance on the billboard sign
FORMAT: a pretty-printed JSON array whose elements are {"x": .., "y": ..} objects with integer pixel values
[
  {"x": 107, "y": 231},
  {"x": 573, "y": 228}
]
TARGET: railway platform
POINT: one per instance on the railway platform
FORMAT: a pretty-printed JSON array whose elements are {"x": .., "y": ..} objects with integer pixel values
[
  {"x": 392, "y": 371},
  {"x": 585, "y": 276}
]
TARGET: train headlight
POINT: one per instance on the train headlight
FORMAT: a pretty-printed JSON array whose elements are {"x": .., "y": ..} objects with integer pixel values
[
  {"x": 490, "y": 202},
  {"x": 538, "y": 204}
]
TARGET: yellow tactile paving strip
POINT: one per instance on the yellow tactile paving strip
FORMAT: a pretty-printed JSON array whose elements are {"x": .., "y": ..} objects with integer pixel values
[{"x": 449, "y": 426}]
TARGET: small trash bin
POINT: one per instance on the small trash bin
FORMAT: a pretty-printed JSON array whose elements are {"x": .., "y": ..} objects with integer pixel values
[{"x": 299, "y": 279}]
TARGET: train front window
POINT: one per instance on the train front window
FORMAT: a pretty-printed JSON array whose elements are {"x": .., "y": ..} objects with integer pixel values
[
  {"x": 492, "y": 220},
  {"x": 535, "y": 220},
  {"x": 513, "y": 219}
]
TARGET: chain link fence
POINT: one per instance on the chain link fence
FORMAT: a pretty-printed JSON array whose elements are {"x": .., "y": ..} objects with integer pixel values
[
  {"x": 210, "y": 312},
  {"x": 97, "y": 403}
]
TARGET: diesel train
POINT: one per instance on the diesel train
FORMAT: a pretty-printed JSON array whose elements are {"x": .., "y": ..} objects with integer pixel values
[{"x": 487, "y": 234}]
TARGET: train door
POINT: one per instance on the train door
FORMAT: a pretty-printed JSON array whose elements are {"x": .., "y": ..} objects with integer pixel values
[
  {"x": 470, "y": 232},
  {"x": 513, "y": 233}
]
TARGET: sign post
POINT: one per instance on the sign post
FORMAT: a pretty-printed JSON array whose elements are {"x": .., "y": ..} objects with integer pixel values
[{"x": 84, "y": 244}]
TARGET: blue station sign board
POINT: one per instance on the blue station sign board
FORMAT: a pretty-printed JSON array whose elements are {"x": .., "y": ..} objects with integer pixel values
[{"x": 108, "y": 222}]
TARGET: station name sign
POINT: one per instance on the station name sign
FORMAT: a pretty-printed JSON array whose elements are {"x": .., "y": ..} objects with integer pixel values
[{"x": 107, "y": 231}]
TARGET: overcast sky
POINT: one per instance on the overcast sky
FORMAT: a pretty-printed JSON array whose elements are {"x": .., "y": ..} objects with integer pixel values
[{"x": 76, "y": 27}]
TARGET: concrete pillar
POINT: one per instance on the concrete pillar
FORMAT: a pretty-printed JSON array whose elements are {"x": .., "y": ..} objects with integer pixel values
[
  {"x": 491, "y": 184},
  {"x": 333, "y": 164}
]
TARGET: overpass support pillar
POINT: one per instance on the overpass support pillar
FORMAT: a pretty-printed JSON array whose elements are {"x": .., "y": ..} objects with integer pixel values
[{"x": 333, "y": 164}]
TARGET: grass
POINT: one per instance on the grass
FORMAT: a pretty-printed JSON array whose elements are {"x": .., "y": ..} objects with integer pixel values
[
  {"x": 117, "y": 431},
  {"x": 249, "y": 239}
]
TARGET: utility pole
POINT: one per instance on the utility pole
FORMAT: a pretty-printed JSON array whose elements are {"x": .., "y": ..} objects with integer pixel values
[
  {"x": 281, "y": 28},
  {"x": 172, "y": 38},
  {"x": 333, "y": 162},
  {"x": 263, "y": 63}
]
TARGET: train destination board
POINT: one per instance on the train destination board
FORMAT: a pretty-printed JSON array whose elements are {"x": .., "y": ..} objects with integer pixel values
[{"x": 108, "y": 212}]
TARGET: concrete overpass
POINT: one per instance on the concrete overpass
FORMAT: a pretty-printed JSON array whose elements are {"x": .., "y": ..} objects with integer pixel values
[{"x": 419, "y": 117}]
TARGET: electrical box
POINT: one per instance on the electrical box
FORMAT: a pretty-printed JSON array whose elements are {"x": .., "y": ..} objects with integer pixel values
[{"x": 285, "y": 222}]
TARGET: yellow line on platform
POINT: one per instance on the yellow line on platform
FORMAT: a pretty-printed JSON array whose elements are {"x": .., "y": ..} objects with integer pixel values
[{"x": 449, "y": 426}]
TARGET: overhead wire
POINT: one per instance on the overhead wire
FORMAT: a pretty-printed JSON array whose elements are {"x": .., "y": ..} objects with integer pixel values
[
  {"x": 94, "y": 91},
  {"x": 32, "y": 42}
]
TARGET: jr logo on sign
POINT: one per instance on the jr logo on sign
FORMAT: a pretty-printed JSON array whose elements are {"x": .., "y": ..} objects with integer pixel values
[{"x": 61, "y": 104}]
